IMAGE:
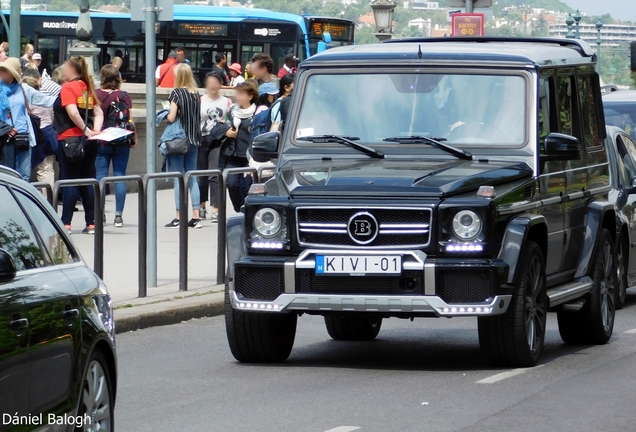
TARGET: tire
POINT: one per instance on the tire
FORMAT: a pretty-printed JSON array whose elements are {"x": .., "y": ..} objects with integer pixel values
[
  {"x": 96, "y": 397},
  {"x": 621, "y": 273},
  {"x": 259, "y": 337},
  {"x": 594, "y": 323},
  {"x": 516, "y": 338},
  {"x": 344, "y": 328}
]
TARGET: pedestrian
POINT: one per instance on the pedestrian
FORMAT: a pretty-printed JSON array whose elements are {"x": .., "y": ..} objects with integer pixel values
[
  {"x": 37, "y": 62},
  {"x": 181, "y": 56},
  {"x": 237, "y": 76},
  {"x": 248, "y": 71},
  {"x": 58, "y": 76},
  {"x": 26, "y": 61},
  {"x": 118, "y": 62},
  {"x": 214, "y": 109},
  {"x": 219, "y": 68},
  {"x": 262, "y": 69},
  {"x": 43, "y": 154},
  {"x": 164, "y": 75},
  {"x": 116, "y": 106},
  {"x": 14, "y": 106},
  {"x": 267, "y": 95},
  {"x": 290, "y": 66},
  {"x": 234, "y": 149},
  {"x": 185, "y": 106},
  {"x": 77, "y": 117},
  {"x": 49, "y": 85},
  {"x": 4, "y": 51},
  {"x": 280, "y": 109}
]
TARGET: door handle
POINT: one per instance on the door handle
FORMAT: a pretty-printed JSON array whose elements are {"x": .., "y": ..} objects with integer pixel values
[
  {"x": 19, "y": 324},
  {"x": 70, "y": 314}
]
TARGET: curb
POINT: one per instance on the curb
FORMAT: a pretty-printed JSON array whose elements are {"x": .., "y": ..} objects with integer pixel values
[{"x": 168, "y": 312}]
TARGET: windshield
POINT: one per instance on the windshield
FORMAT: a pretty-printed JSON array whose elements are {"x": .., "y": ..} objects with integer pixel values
[
  {"x": 463, "y": 109},
  {"x": 621, "y": 114}
]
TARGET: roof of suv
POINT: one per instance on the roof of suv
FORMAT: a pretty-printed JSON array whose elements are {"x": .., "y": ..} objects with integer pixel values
[
  {"x": 620, "y": 96},
  {"x": 539, "y": 51}
]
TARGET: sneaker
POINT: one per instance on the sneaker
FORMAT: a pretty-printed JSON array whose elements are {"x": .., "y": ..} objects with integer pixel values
[
  {"x": 214, "y": 217},
  {"x": 68, "y": 228},
  {"x": 203, "y": 213},
  {"x": 195, "y": 223},
  {"x": 173, "y": 224},
  {"x": 119, "y": 222},
  {"x": 90, "y": 229}
]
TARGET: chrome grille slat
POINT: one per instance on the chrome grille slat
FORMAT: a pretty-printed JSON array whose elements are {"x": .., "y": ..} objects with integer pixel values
[{"x": 397, "y": 227}]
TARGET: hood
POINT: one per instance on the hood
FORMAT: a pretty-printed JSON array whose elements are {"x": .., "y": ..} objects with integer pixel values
[{"x": 396, "y": 178}]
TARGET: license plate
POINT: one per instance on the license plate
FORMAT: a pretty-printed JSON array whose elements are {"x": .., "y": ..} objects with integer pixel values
[{"x": 358, "y": 265}]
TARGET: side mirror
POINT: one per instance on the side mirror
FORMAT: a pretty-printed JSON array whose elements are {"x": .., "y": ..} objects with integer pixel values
[
  {"x": 7, "y": 267},
  {"x": 265, "y": 146},
  {"x": 560, "y": 147},
  {"x": 321, "y": 46}
]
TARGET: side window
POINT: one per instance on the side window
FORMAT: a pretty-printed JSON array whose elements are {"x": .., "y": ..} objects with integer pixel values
[
  {"x": 16, "y": 234},
  {"x": 544, "y": 109},
  {"x": 588, "y": 109},
  {"x": 565, "y": 104},
  {"x": 627, "y": 151},
  {"x": 55, "y": 244}
]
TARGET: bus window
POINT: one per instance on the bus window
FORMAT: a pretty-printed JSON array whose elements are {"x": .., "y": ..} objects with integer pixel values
[
  {"x": 249, "y": 51},
  {"x": 278, "y": 53},
  {"x": 50, "y": 50}
]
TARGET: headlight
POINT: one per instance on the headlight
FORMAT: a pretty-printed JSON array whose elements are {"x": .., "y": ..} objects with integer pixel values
[
  {"x": 105, "y": 311},
  {"x": 466, "y": 225},
  {"x": 267, "y": 222}
]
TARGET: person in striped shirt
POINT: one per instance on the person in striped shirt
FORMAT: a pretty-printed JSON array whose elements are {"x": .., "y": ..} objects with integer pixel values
[{"x": 47, "y": 85}]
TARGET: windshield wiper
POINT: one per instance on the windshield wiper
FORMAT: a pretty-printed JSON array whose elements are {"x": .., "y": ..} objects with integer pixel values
[
  {"x": 345, "y": 140},
  {"x": 421, "y": 139}
]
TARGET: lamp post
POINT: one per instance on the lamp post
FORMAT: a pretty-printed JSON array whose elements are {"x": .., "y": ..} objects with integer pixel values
[
  {"x": 599, "y": 26},
  {"x": 383, "y": 15},
  {"x": 577, "y": 19},
  {"x": 85, "y": 47},
  {"x": 570, "y": 22}
]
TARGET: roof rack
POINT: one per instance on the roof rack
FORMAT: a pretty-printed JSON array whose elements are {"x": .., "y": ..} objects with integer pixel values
[{"x": 578, "y": 45}]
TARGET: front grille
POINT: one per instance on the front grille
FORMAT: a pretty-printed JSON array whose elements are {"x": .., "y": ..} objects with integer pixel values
[
  {"x": 258, "y": 283},
  {"x": 398, "y": 227},
  {"x": 410, "y": 282},
  {"x": 464, "y": 286}
]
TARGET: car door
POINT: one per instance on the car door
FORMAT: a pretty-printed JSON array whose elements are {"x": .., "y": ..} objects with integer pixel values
[
  {"x": 627, "y": 152},
  {"x": 54, "y": 315},
  {"x": 14, "y": 352}
]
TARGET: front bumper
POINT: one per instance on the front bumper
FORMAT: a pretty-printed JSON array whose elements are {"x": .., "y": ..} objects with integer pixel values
[{"x": 436, "y": 287}]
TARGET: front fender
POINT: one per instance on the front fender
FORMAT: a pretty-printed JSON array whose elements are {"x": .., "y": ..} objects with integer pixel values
[
  {"x": 235, "y": 243},
  {"x": 595, "y": 219},
  {"x": 515, "y": 237}
]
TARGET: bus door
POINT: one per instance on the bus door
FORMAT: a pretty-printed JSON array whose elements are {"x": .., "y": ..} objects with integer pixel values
[
  {"x": 278, "y": 51},
  {"x": 51, "y": 49},
  {"x": 249, "y": 50}
]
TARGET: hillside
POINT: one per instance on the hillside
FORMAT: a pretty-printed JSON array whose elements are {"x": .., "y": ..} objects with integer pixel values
[{"x": 554, "y": 5}]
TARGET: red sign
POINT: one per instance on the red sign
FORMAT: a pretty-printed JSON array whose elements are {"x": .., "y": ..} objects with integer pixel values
[{"x": 468, "y": 24}]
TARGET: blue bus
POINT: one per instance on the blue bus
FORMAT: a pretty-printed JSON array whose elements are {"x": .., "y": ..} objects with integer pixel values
[{"x": 201, "y": 30}]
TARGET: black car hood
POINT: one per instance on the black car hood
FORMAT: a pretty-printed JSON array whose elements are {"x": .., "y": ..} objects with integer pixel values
[{"x": 396, "y": 178}]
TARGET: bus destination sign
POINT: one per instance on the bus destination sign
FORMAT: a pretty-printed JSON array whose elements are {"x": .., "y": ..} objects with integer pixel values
[
  {"x": 202, "y": 29},
  {"x": 336, "y": 30}
]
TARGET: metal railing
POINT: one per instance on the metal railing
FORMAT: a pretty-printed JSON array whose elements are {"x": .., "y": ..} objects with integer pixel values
[
  {"x": 99, "y": 227},
  {"x": 142, "y": 235},
  {"x": 44, "y": 186},
  {"x": 142, "y": 186}
]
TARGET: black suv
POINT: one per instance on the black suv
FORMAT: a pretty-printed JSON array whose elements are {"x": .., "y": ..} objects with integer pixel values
[{"x": 431, "y": 178}]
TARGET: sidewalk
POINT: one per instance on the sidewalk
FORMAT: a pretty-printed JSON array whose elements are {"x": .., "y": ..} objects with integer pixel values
[{"x": 165, "y": 304}]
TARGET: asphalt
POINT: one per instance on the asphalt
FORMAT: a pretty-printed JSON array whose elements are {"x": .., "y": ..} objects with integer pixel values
[{"x": 426, "y": 375}]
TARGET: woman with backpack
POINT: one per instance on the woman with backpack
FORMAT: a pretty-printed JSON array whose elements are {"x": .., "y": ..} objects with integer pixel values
[
  {"x": 185, "y": 106},
  {"x": 116, "y": 105},
  {"x": 214, "y": 108},
  {"x": 77, "y": 117}
]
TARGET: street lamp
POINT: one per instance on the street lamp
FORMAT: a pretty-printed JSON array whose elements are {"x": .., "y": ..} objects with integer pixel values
[
  {"x": 383, "y": 15},
  {"x": 599, "y": 26},
  {"x": 570, "y": 22},
  {"x": 85, "y": 47},
  {"x": 577, "y": 18}
]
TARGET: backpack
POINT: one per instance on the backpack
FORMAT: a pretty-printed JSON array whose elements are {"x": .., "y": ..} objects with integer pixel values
[
  {"x": 118, "y": 114},
  {"x": 262, "y": 122}
]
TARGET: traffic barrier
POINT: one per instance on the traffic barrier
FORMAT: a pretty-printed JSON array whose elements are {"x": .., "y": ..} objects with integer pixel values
[
  {"x": 44, "y": 186},
  {"x": 142, "y": 235},
  {"x": 183, "y": 227},
  {"x": 99, "y": 223}
]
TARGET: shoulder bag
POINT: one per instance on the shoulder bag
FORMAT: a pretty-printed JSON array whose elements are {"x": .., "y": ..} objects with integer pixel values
[{"x": 74, "y": 146}]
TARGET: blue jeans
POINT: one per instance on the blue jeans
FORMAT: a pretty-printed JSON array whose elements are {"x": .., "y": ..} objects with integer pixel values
[
  {"x": 182, "y": 164},
  {"x": 238, "y": 185},
  {"x": 19, "y": 160},
  {"x": 117, "y": 155}
]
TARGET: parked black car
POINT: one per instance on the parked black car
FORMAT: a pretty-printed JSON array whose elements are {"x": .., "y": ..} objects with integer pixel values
[
  {"x": 468, "y": 179},
  {"x": 621, "y": 151},
  {"x": 57, "y": 334}
]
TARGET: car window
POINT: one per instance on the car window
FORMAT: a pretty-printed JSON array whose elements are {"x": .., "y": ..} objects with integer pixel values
[
  {"x": 588, "y": 109},
  {"x": 16, "y": 234},
  {"x": 622, "y": 115},
  {"x": 564, "y": 89},
  {"x": 546, "y": 109},
  {"x": 57, "y": 247},
  {"x": 627, "y": 151}
]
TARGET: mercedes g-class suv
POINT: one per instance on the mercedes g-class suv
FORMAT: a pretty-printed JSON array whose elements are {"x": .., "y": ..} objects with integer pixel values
[{"x": 431, "y": 178}]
